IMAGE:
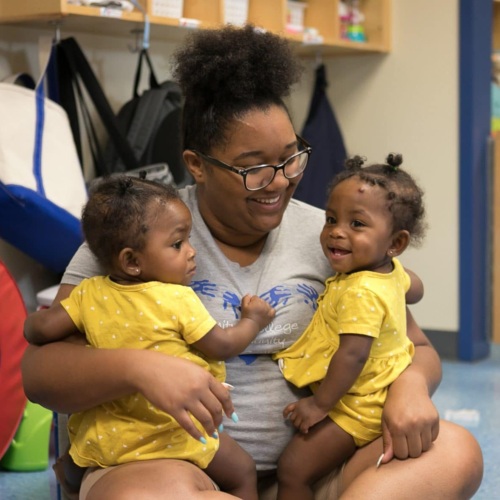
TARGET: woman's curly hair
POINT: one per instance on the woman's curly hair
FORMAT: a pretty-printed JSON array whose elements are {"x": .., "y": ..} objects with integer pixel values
[
  {"x": 225, "y": 73},
  {"x": 404, "y": 196},
  {"x": 119, "y": 214}
]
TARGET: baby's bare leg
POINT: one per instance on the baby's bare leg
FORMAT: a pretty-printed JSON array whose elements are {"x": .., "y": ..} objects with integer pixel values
[
  {"x": 233, "y": 469},
  {"x": 308, "y": 457}
]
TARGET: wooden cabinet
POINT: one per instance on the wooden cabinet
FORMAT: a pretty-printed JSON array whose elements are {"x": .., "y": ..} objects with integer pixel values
[{"x": 321, "y": 15}]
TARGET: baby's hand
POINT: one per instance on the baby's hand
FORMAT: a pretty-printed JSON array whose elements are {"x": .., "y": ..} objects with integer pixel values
[{"x": 257, "y": 309}]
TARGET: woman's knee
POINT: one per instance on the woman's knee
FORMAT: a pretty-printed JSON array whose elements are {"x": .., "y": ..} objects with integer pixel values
[
  {"x": 151, "y": 480},
  {"x": 464, "y": 456}
]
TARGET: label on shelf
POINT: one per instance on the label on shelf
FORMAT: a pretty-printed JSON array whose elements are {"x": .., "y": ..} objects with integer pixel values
[
  {"x": 189, "y": 23},
  {"x": 110, "y": 12}
]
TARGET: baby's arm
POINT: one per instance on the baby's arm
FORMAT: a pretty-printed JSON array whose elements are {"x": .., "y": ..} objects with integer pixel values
[
  {"x": 344, "y": 369},
  {"x": 49, "y": 325},
  {"x": 223, "y": 343},
  {"x": 416, "y": 290}
]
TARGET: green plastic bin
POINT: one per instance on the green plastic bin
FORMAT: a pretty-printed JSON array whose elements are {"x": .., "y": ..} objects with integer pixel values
[{"x": 29, "y": 450}]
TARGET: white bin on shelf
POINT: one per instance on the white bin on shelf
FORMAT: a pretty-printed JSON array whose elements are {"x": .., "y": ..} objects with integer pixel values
[
  {"x": 295, "y": 16},
  {"x": 236, "y": 12},
  {"x": 167, "y": 8}
]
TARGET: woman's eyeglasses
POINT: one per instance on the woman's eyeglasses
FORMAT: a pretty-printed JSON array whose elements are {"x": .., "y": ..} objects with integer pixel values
[{"x": 260, "y": 176}]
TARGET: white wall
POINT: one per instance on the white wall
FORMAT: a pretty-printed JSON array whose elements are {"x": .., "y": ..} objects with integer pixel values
[{"x": 406, "y": 101}]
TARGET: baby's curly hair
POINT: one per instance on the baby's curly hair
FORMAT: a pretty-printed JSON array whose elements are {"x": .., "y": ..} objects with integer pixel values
[
  {"x": 404, "y": 196},
  {"x": 225, "y": 73},
  {"x": 119, "y": 212}
]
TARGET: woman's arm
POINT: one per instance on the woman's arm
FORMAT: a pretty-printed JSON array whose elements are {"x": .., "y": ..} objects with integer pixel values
[
  {"x": 68, "y": 377},
  {"x": 410, "y": 421},
  {"x": 416, "y": 290}
]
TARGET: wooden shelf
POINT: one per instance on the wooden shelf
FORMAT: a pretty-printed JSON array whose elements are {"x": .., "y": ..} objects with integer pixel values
[{"x": 322, "y": 15}]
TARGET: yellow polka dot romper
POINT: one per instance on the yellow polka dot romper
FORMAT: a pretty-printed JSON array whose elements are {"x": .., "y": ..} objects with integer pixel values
[
  {"x": 155, "y": 316},
  {"x": 364, "y": 303}
]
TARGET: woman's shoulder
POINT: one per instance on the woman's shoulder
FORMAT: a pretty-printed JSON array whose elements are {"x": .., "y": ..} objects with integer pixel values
[{"x": 83, "y": 265}]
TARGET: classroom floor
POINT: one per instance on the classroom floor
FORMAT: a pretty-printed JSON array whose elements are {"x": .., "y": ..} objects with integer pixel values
[{"x": 469, "y": 395}]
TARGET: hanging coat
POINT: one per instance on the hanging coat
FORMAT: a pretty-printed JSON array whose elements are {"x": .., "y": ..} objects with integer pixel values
[{"x": 322, "y": 131}]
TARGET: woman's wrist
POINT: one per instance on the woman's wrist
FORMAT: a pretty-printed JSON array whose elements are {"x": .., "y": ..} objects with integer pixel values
[{"x": 411, "y": 381}]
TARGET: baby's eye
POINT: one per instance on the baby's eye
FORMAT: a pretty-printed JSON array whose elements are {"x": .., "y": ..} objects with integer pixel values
[
  {"x": 330, "y": 220},
  {"x": 177, "y": 245},
  {"x": 357, "y": 223}
]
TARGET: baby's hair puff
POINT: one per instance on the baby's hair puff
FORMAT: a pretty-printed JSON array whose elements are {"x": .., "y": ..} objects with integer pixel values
[{"x": 404, "y": 196}]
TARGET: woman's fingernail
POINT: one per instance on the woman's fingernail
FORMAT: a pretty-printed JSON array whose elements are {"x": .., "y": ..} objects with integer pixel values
[
  {"x": 221, "y": 428},
  {"x": 215, "y": 435},
  {"x": 203, "y": 440},
  {"x": 234, "y": 417}
]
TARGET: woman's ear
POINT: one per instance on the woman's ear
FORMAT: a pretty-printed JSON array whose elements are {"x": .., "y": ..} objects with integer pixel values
[
  {"x": 128, "y": 262},
  {"x": 194, "y": 165},
  {"x": 400, "y": 242}
]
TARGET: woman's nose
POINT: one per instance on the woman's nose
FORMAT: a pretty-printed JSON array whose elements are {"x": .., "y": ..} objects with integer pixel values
[{"x": 279, "y": 180}]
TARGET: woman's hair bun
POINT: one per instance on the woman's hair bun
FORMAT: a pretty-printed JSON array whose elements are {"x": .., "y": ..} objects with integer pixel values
[{"x": 235, "y": 64}]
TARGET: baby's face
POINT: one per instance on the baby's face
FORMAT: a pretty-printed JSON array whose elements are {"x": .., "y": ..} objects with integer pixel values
[
  {"x": 358, "y": 228},
  {"x": 168, "y": 256}
]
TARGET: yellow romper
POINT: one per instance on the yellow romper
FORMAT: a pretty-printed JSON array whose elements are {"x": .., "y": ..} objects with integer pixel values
[
  {"x": 157, "y": 316},
  {"x": 364, "y": 303}
]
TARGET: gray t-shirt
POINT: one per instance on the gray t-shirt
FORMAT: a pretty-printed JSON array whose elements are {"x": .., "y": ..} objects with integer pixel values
[{"x": 290, "y": 275}]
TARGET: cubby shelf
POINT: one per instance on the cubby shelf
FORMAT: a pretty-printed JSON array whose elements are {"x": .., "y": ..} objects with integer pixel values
[{"x": 322, "y": 15}]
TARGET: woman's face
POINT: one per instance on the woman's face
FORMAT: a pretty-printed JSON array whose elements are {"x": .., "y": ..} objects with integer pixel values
[{"x": 233, "y": 214}]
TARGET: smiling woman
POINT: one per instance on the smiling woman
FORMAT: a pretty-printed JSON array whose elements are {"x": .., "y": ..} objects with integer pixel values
[{"x": 265, "y": 243}]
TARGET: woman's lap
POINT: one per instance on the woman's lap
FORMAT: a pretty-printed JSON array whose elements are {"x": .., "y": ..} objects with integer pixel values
[
  {"x": 145, "y": 479},
  {"x": 326, "y": 489},
  {"x": 452, "y": 468}
]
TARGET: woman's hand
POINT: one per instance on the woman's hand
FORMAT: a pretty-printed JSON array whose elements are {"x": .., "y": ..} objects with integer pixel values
[
  {"x": 68, "y": 378},
  {"x": 184, "y": 390},
  {"x": 410, "y": 421}
]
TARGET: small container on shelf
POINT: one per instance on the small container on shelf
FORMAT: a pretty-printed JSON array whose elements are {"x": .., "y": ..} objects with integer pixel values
[
  {"x": 236, "y": 12},
  {"x": 295, "y": 16},
  {"x": 167, "y": 8}
]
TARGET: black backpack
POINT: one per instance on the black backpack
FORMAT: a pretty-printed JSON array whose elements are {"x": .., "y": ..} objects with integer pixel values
[
  {"x": 151, "y": 122},
  {"x": 146, "y": 130}
]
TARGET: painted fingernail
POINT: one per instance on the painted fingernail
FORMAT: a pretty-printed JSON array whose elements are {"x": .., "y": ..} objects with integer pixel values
[
  {"x": 234, "y": 417},
  {"x": 203, "y": 440},
  {"x": 215, "y": 435},
  {"x": 221, "y": 428}
]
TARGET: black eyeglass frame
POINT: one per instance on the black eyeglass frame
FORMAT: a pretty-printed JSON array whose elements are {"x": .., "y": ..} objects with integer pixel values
[{"x": 245, "y": 171}]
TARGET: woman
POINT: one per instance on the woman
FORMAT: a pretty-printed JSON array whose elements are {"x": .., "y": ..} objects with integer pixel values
[{"x": 251, "y": 236}]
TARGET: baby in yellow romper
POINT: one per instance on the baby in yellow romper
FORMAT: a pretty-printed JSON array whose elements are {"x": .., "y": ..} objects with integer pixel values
[
  {"x": 356, "y": 344},
  {"x": 139, "y": 231}
]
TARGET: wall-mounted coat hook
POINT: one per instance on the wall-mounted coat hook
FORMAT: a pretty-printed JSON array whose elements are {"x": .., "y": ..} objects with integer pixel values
[
  {"x": 138, "y": 40},
  {"x": 145, "y": 30},
  {"x": 57, "y": 30}
]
